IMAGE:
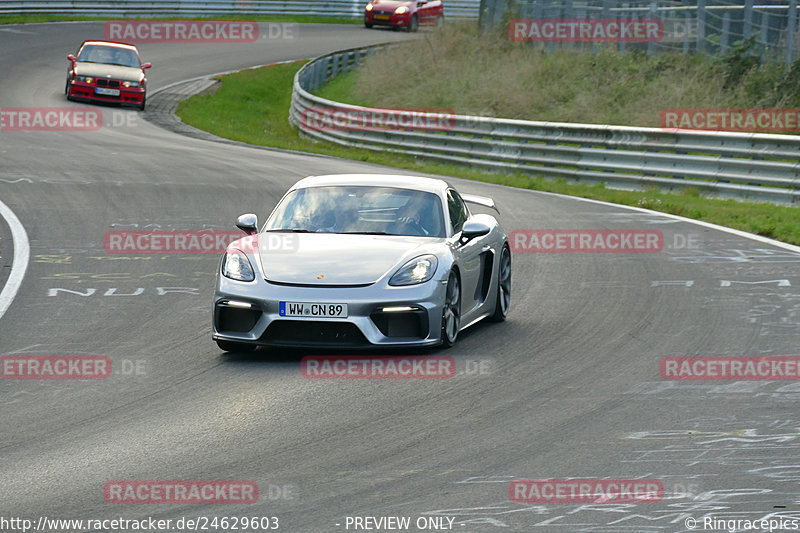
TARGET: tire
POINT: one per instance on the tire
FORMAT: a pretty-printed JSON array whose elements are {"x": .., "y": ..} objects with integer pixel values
[
  {"x": 66, "y": 90},
  {"x": 413, "y": 24},
  {"x": 440, "y": 21},
  {"x": 451, "y": 311},
  {"x": 240, "y": 347},
  {"x": 144, "y": 102},
  {"x": 368, "y": 25},
  {"x": 503, "y": 298}
]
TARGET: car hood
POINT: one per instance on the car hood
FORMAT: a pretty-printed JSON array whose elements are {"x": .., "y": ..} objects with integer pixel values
[
  {"x": 335, "y": 259},
  {"x": 102, "y": 70},
  {"x": 389, "y": 5}
]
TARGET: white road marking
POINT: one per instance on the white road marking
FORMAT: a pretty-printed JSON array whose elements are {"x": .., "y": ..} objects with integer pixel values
[{"x": 21, "y": 256}]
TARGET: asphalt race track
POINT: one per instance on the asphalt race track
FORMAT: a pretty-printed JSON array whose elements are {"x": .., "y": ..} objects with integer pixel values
[{"x": 568, "y": 387}]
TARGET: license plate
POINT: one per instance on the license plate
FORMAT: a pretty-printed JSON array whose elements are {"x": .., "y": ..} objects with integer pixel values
[
  {"x": 109, "y": 92},
  {"x": 315, "y": 310},
  {"x": 383, "y": 17}
]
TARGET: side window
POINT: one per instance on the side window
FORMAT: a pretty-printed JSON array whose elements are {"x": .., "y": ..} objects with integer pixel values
[{"x": 457, "y": 209}]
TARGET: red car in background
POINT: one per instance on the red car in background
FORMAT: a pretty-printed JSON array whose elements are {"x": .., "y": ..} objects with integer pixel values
[
  {"x": 107, "y": 71},
  {"x": 405, "y": 14}
]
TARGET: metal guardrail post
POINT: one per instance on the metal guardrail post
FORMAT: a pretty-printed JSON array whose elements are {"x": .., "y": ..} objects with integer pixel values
[
  {"x": 701, "y": 26},
  {"x": 724, "y": 43},
  {"x": 748, "y": 19},
  {"x": 653, "y": 13},
  {"x": 791, "y": 31}
]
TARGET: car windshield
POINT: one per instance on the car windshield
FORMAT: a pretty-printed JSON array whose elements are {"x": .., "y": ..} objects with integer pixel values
[
  {"x": 359, "y": 210},
  {"x": 109, "y": 55}
]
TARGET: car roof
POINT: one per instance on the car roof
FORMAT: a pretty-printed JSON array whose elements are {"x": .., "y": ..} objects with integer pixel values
[
  {"x": 417, "y": 183},
  {"x": 111, "y": 43}
]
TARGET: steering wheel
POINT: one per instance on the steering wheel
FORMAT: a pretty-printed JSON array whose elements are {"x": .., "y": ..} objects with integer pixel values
[{"x": 414, "y": 225}]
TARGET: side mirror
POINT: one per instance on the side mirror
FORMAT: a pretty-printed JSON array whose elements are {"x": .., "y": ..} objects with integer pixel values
[
  {"x": 248, "y": 223},
  {"x": 72, "y": 58},
  {"x": 146, "y": 65},
  {"x": 421, "y": 3},
  {"x": 472, "y": 230}
]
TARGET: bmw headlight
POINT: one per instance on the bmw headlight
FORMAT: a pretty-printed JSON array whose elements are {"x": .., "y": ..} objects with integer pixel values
[
  {"x": 131, "y": 84},
  {"x": 237, "y": 266},
  {"x": 418, "y": 270},
  {"x": 401, "y": 10},
  {"x": 369, "y": 7},
  {"x": 84, "y": 79}
]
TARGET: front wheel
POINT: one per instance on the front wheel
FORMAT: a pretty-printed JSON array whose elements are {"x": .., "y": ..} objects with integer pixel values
[
  {"x": 451, "y": 311},
  {"x": 232, "y": 346},
  {"x": 503, "y": 299},
  {"x": 413, "y": 24},
  {"x": 144, "y": 101},
  {"x": 368, "y": 25},
  {"x": 440, "y": 21}
]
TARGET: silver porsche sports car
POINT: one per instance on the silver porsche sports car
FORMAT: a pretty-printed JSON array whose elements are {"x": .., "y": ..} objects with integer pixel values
[{"x": 360, "y": 261}]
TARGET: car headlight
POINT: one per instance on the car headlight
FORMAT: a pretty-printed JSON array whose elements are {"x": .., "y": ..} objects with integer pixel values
[
  {"x": 84, "y": 79},
  {"x": 418, "y": 270},
  {"x": 237, "y": 266},
  {"x": 369, "y": 7},
  {"x": 131, "y": 83},
  {"x": 401, "y": 10}
]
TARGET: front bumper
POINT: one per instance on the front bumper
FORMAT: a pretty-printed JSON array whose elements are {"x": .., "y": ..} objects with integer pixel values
[
  {"x": 368, "y": 323},
  {"x": 379, "y": 19},
  {"x": 129, "y": 95}
]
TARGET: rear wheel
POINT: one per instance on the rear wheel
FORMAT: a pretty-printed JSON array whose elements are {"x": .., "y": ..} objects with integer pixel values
[
  {"x": 503, "y": 300},
  {"x": 231, "y": 346},
  {"x": 413, "y": 24},
  {"x": 451, "y": 312}
]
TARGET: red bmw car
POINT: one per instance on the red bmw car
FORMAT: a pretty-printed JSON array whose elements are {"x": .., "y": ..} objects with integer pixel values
[
  {"x": 107, "y": 71},
  {"x": 404, "y": 14}
]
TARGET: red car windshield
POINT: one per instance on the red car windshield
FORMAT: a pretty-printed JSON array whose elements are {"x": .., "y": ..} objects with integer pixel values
[{"x": 110, "y": 55}]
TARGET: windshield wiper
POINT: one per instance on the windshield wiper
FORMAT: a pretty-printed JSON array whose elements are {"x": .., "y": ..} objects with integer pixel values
[
  {"x": 365, "y": 233},
  {"x": 290, "y": 230}
]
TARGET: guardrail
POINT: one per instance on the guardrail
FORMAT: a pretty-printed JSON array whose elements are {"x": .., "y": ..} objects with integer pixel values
[
  {"x": 762, "y": 167},
  {"x": 454, "y": 9}
]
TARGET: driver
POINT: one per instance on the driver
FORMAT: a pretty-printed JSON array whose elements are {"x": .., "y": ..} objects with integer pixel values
[{"x": 410, "y": 216}]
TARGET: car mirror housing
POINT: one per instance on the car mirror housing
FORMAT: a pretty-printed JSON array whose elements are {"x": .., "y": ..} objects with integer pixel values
[
  {"x": 472, "y": 230},
  {"x": 247, "y": 223},
  {"x": 146, "y": 65},
  {"x": 72, "y": 58}
]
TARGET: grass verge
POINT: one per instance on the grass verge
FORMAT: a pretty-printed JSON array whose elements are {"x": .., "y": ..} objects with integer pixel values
[{"x": 252, "y": 106}]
